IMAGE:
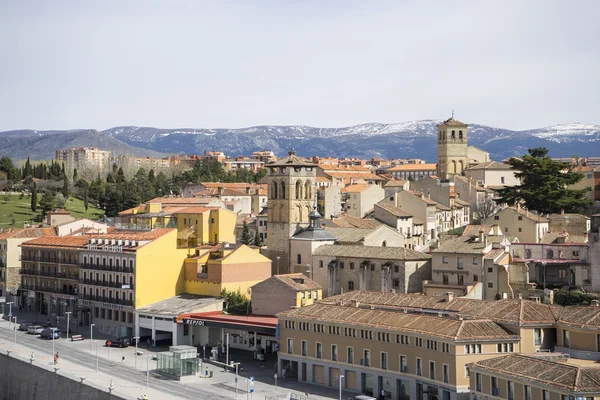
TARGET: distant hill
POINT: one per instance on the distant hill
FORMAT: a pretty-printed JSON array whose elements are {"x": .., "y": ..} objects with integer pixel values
[
  {"x": 41, "y": 145},
  {"x": 415, "y": 139}
]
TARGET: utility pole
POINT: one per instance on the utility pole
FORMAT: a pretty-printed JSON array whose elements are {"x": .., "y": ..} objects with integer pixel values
[{"x": 68, "y": 315}]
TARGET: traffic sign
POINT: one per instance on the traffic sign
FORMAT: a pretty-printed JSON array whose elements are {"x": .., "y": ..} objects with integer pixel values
[
  {"x": 251, "y": 384},
  {"x": 10, "y": 314}
]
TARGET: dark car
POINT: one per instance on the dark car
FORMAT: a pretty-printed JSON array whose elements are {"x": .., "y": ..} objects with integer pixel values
[
  {"x": 50, "y": 333},
  {"x": 118, "y": 342},
  {"x": 24, "y": 326}
]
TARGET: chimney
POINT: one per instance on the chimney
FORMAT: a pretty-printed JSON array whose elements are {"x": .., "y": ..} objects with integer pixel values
[
  {"x": 595, "y": 303},
  {"x": 520, "y": 296},
  {"x": 459, "y": 317},
  {"x": 562, "y": 211},
  {"x": 355, "y": 303},
  {"x": 220, "y": 190},
  {"x": 481, "y": 235},
  {"x": 448, "y": 297},
  {"x": 428, "y": 194},
  {"x": 394, "y": 291}
]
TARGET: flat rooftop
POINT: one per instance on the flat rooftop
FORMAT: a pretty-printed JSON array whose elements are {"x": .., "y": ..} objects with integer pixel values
[{"x": 181, "y": 304}]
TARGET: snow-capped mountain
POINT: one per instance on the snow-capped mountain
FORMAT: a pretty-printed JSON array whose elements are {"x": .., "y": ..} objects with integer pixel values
[{"x": 404, "y": 139}]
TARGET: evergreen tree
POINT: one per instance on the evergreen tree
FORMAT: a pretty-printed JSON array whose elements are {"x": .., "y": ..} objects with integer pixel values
[
  {"x": 65, "y": 189},
  {"x": 120, "y": 175},
  {"x": 47, "y": 203},
  {"x": 85, "y": 199},
  {"x": 257, "y": 239},
  {"x": 34, "y": 200},
  {"x": 544, "y": 185},
  {"x": 245, "y": 239},
  {"x": 75, "y": 176}
]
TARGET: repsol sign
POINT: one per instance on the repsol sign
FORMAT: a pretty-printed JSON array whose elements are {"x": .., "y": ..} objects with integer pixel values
[{"x": 196, "y": 322}]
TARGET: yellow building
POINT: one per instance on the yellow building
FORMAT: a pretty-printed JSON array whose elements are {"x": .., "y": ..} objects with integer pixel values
[
  {"x": 282, "y": 292},
  {"x": 225, "y": 267}
]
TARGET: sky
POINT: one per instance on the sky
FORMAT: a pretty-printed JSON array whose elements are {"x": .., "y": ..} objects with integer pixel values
[{"x": 328, "y": 63}]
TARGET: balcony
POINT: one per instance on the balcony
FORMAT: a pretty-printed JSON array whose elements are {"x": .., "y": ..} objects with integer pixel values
[
  {"x": 24, "y": 271},
  {"x": 104, "y": 299},
  {"x": 94, "y": 282},
  {"x": 109, "y": 268},
  {"x": 72, "y": 292}
]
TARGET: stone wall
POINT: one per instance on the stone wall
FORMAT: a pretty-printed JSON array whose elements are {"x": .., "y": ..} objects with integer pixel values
[{"x": 20, "y": 380}]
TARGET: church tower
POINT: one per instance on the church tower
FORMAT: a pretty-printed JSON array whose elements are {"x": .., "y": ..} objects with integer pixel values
[
  {"x": 452, "y": 148},
  {"x": 292, "y": 185}
]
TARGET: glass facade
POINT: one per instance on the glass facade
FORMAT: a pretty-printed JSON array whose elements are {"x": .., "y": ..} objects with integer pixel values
[{"x": 178, "y": 361}]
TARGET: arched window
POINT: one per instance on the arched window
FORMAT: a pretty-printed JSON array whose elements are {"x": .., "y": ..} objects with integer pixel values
[
  {"x": 282, "y": 195},
  {"x": 274, "y": 190},
  {"x": 460, "y": 135},
  {"x": 384, "y": 244},
  {"x": 320, "y": 263},
  {"x": 298, "y": 190},
  {"x": 307, "y": 190},
  {"x": 453, "y": 136}
]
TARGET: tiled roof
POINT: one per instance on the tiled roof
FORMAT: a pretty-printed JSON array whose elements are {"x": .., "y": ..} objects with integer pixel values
[
  {"x": 292, "y": 160},
  {"x": 395, "y": 211},
  {"x": 353, "y": 235},
  {"x": 298, "y": 282},
  {"x": 59, "y": 211},
  {"x": 177, "y": 200},
  {"x": 470, "y": 245},
  {"x": 356, "y": 188},
  {"x": 544, "y": 372},
  {"x": 412, "y": 167},
  {"x": 370, "y": 252},
  {"x": 452, "y": 122},
  {"x": 9, "y": 233},
  {"x": 353, "y": 222},
  {"x": 473, "y": 230},
  {"x": 232, "y": 185},
  {"x": 580, "y": 316},
  {"x": 58, "y": 241},
  {"x": 192, "y": 210},
  {"x": 527, "y": 214},
  {"x": 449, "y": 328},
  {"x": 395, "y": 183},
  {"x": 355, "y": 175},
  {"x": 490, "y": 165}
]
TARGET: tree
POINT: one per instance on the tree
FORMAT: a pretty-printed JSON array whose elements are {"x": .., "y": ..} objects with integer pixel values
[
  {"x": 34, "y": 200},
  {"x": 485, "y": 209},
  {"x": 544, "y": 185},
  {"x": 257, "y": 239},
  {"x": 246, "y": 239},
  {"x": 60, "y": 200},
  {"x": 65, "y": 188},
  {"x": 85, "y": 199},
  {"x": 47, "y": 203},
  {"x": 75, "y": 175}
]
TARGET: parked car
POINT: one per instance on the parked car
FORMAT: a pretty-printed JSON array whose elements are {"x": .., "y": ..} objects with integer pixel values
[
  {"x": 24, "y": 326},
  {"x": 35, "y": 329},
  {"x": 142, "y": 341},
  {"x": 49, "y": 333},
  {"x": 118, "y": 342}
]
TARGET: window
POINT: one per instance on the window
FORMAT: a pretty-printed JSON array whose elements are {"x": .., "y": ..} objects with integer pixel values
[
  {"x": 475, "y": 278},
  {"x": 367, "y": 358},
  {"x": 545, "y": 395},
  {"x": 445, "y": 279},
  {"x": 478, "y": 382},
  {"x": 350, "y": 285},
  {"x": 304, "y": 347},
  {"x": 342, "y": 265},
  {"x": 320, "y": 263},
  {"x": 444, "y": 259},
  {"x": 475, "y": 261},
  {"x": 502, "y": 180},
  {"x": 565, "y": 338},
  {"x": 350, "y": 355},
  {"x": 319, "y": 353},
  {"x": 384, "y": 360},
  {"x": 550, "y": 254},
  {"x": 431, "y": 370},
  {"x": 520, "y": 218},
  {"x": 575, "y": 254},
  {"x": 316, "y": 295},
  {"x": 520, "y": 229},
  {"x": 290, "y": 346},
  {"x": 496, "y": 218},
  {"x": 419, "y": 367},
  {"x": 299, "y": 259},
  {"x": 351, "y": 265},
  {"x": 494, "y": 386},
  {"x": 446, "y": 373},
  {"x": 537, "y": 332},
  {"x": 527, "y": 253},
  {"x": 396, "y": 283},
  {"x": 459, "y": 262},
  {"x": 403, "y": 366},
  {"x": 467, "y": 375},
  {"x": 510, "y": 386},
  {"x": 334, "y": 353},
  {"x": 491, "y": 285},
  {"x": 506, "y": 230},
  {"x": 527, "y": 392},
  {"x": 490, "y": 269}
]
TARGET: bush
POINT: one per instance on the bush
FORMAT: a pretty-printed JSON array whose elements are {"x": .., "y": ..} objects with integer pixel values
[{"x": 573, "y": 298}]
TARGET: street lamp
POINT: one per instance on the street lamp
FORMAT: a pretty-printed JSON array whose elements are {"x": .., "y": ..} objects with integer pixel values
[
  {"x": 68, "y": 315},
  {"x": 340, "y": 379},
  {"x": 15, "y": 330},
  {"x": 147, "y": 369},
  {"x": 97, "y": 344},
  {"x": 236, "y": 365},
  {"x": 275, "y": 376},
  {"x": 10, "y": 303},
  {"x": 137, "y": 339},
  {"x": 53, "y": 330},
  {"x": 91, "y": 336}
]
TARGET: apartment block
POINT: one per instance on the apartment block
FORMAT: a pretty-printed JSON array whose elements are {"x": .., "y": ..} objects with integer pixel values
[
  {"x": 81, "y": 157},
  {"x": 520, "y": 223},
  {"x": 359, "y": 199}
]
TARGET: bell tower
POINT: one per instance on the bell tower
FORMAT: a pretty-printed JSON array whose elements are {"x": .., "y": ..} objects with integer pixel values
[
  {"x": 291, "y": 192},
  {"x": 452, "y": 148}
]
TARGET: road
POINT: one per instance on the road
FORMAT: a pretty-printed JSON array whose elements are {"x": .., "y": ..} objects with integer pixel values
[{"x": 115, "y": 369}]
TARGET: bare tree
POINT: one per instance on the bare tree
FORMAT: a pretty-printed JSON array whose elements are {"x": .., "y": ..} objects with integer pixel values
[{"x": 485, "y": 209}]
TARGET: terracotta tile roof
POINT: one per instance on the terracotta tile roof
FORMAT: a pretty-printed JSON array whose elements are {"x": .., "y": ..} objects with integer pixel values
[
  {"x": 177, "y": 200},
  {"x": 580, "y": 317},
  {"x": 452, "y": 122},
  {"x": 298, "y": 282},
  {"x": 544, "y": 372},
  {"x": 467, "y": 244},
  {"x": 448, "y": 328},
  {"x": 412, "y": 167},
  {"x": 192, "y": 210},
  {"x": 59, "y": 211},
  {"x": 395, "y": 211},
  {"x": 356, "y": 188},
  {"x": 58, "y": 242},
  {"x": 352, "y": 222},
  {"x": 9, "y": 233},
  {"x": 489, "y": 165},
  {"x": 353, "y": 235},
  {"x": 370, "y": 252},
  {"x": 233, "y": 185},
  {"x": 527, "y": 214},
  {"x": 354, "y": 175},
  {"x": 291, "y": 160}
]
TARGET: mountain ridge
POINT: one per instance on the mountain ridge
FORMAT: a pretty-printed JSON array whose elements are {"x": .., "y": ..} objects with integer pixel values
[{"x": 416, "y": 139}]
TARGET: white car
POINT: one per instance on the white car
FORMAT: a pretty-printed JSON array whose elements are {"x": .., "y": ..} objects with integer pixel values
[{"x": 35, "y": 329}]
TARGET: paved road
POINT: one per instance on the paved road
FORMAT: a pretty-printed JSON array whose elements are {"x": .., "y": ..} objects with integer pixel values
[{"x": 43, "y": 348}]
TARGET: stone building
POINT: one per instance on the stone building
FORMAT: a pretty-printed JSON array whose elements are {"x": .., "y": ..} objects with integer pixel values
[
  {"x": 452, "y": 148},
  {"x": 291, "y": 191},
  {"x": 283, "y": 292}
]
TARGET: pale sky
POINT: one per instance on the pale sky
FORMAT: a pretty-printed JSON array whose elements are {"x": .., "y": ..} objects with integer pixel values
[{"x": 516, "y": 64}]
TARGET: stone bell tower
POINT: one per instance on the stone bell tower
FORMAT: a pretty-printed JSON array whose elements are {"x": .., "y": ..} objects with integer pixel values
[
  {"x": 452, "y": 148},
  {"x": 292, "y": 185}
]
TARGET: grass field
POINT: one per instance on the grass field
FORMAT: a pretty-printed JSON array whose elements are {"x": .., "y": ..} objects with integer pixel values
[{"x": 19, "y": 210}]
